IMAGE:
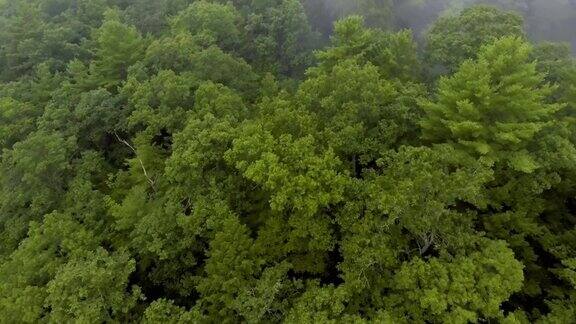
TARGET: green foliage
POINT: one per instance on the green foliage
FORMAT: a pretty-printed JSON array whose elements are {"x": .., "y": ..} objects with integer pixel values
[
  {"x": 17, "y": 121},
  {"x": 278, "y": 38},
  {"x": 164, "y": 311},
  {"x": 82, "y": 290},
  {"x": 152, "y": 16},
  {"x": 394, "y": 54},
  {"x": 51, "y": 32},
  {"x": 172, "y": 52},
  {"x": 454, "y": 39},
  {"x": 494, "y": 106},
  {"x": 195, "y": 162},
  {"x": 463, "y": 289},
  {"x": 22, "y": 46},
  {"x": 361, "y": 113},
  {"x": 118, "y": 46},
  {"x": 34, "y": 172},
  {"x": 60, "y": 267},
  {"x": 211, "y": 22}
]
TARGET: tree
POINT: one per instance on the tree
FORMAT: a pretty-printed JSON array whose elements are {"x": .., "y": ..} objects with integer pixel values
[
  {"x": 149, "y": 17},
  {"x": 454, "y": 39},
  {"x": 17, "y": 120},
  {"x": 497, "y": 109},
  {"x": 493, "y": 107},
  {"x": 26, "y": 272},
  {"x": 35, "y": 173},
  {"x": 394, "y": 54},
  {"x": 217, "y": 170},
  {"x": 461, "y": 290},
  {"x": 117, "y": 47},
  {"x": 82, "y": 289},
  {"x": 211, "y": 22},
  {"x": 360, "y": 113},
  {"x": 45, "y": 32},
  {"x": 172, "y": 52},
  {"x": 364, "y": 91},
  {"x": 21, "y": 41},
  {"x": 279, "y": 38}
]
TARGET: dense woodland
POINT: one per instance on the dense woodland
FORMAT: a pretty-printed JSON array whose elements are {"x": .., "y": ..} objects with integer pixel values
[{"x": 266, "y": 161}]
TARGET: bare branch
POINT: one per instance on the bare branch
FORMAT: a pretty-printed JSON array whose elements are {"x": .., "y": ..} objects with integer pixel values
[
  {"x": 428, "y": 241},
  {"x": 150, "y": 181}
]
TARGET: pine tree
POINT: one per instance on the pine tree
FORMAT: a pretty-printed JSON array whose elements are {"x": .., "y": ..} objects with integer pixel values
[
  {"x": 118, "y": 46},
  {"x": 494, "y": 106}
]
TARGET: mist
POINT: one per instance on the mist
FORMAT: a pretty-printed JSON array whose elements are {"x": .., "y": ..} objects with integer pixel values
[{"x": 545, "y": 20}]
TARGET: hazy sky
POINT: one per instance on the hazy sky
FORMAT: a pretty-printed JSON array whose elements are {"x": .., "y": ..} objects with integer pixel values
[{"x": 553, "y": 20}]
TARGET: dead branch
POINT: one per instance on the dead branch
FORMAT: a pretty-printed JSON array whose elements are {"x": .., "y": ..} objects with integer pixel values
[{"x": 150, "y": 181}]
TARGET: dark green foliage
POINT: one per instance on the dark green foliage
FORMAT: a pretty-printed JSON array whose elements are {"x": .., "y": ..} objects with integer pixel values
[
  {"x": 197, "y": 162},
  {"x": 210, "y": 22},
  {"x": 52, "y": 32},
  {"x": 117, "y": 47},
  {"x": 453, "y": 39},
  {"x": 278, "y": 37}
]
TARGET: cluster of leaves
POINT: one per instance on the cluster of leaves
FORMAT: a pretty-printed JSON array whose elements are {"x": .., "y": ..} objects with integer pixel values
[{"x": 193, "y": 161}]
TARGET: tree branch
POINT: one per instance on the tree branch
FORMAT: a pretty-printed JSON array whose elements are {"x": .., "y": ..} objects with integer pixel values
[
  {"x": 428, "y": 241},
  {"x": 150, "y": 181}
]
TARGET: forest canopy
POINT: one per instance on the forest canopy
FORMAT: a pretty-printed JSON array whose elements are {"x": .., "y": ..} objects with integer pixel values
[{"x": 285, "y": 161}]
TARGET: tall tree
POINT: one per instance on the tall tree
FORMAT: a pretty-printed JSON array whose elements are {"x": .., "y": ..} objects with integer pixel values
[
  {"x": 494, "y": 106},
  {"x": 117, "y": 47},
  {"x": 456, "y": 38}
]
